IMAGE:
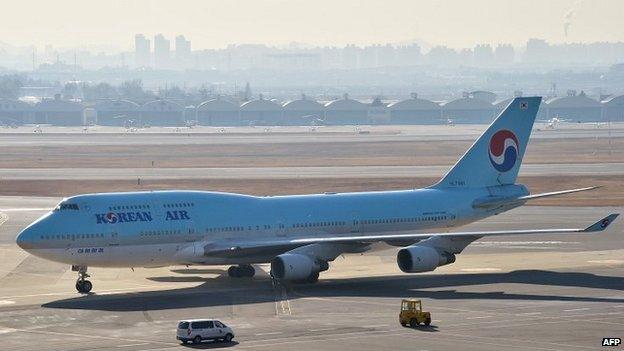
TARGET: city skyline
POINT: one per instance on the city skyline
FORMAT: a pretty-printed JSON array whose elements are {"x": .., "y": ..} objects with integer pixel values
[{"x": 215, "y": 24}]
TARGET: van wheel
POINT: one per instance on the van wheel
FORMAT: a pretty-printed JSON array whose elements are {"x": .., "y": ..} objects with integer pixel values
[
  {"x": 197, "y": 340},
  {"x": 228, "y": 337}
]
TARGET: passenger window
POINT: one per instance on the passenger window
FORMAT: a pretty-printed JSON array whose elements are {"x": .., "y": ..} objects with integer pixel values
[
  {"x": 209, "y": 324},
  {"x": 219, "y": 324}
]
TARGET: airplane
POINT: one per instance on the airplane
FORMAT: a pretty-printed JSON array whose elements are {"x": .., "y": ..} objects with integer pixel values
[{"x": 299, "y": 235}]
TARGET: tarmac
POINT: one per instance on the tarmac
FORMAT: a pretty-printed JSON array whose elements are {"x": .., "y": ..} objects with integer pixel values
[
  {"x": 530, "y": 292},
  {"x": 554, "y": 292}
]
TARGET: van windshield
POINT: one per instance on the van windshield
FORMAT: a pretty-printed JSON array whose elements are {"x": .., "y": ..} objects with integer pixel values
[{"x": 183, "y": 325}]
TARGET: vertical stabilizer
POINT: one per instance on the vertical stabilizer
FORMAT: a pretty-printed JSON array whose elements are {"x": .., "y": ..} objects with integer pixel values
[{"x": 495, "y": 158}]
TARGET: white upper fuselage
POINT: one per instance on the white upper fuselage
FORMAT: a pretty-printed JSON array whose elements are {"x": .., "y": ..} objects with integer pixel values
[{"x": 159, "y": 228}]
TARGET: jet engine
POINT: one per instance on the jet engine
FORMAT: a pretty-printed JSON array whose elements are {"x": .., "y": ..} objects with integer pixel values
[
  {"x": 417, "y": 259},
  {"x": 291, "y": 266}
]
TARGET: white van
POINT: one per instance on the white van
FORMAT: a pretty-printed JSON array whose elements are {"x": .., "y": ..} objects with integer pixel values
[{"x": 197, "y": 330}]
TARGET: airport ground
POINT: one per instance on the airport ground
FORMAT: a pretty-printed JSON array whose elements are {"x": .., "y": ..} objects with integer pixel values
[{"x": 556, "y": 292}]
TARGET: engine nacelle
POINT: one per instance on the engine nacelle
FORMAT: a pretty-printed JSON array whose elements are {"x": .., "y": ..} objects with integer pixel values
[
  {"x": 291, "y": 266},
  {"x": 417, "y": 259}
]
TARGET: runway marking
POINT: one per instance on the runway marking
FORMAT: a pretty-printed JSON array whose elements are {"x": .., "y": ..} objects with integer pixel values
[
  {"x": 485, "y": 269},
  {"x": 608, "y": 262},
  {"x": 7, "y": 330},
  {"x": 528, "y": 314},
  {"x": 100, "y": 293},
  {"x": 269, "y": 333},
  {"x": 129, "y": 345},
  {"x": 523, "y": 341},
  {"x": 6, "y": 302},
  {"x": 282, "y": 303},
  {"x": 577, "y": 309},
  {"x": 25, "y": 209},
  {"x": 90, "y": 336},
  {"x": 480, "y": 317},
  {"x": 321, "y": 329}
]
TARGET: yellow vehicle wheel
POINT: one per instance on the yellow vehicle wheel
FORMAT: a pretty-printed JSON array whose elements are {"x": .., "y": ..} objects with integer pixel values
[
  {"x": 414, "y": 323},
  {"x": 427, "y": 321}
]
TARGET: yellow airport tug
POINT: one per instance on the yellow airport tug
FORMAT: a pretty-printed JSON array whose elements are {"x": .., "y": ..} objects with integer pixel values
[{"x": 412, "y": 313}]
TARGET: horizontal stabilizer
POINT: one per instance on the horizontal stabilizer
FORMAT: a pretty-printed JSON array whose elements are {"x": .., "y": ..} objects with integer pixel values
[
  {"x": 496, "y": 201},
  {"x": 601, "y": 224}
]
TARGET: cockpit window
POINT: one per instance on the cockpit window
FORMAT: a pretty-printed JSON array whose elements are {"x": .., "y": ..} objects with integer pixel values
[{"x": 66, "y": 206}]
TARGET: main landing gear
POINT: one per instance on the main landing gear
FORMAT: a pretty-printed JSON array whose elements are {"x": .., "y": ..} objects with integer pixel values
[
  {"x": 82, "y": 284},
  {"x": 242, "y": 271}
]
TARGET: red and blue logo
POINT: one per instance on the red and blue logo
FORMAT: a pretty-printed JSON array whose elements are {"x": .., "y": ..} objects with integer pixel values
[{"x": 504, "y": 150}]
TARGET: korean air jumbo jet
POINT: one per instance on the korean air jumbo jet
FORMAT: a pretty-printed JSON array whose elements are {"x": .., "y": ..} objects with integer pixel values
[{"x": 298, "y": 235}]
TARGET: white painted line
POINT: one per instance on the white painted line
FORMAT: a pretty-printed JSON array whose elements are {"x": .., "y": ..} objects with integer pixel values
[
  {"x": 7, "y": 330},
  {"x": 577, "y": 309},
  {"x": 485, "y": 269},
  {"x": 321, "y": 329},
  {"x": 271, "y": 333},
  {"x": 129, "y": 345},
  {"x": 528, "y": 314},
  {"x": 480, "y": 317},
  {"x": 6, "y": 302}
]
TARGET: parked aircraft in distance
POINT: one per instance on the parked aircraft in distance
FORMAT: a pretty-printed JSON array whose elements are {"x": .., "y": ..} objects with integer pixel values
[{"x": 300, "y": 234}]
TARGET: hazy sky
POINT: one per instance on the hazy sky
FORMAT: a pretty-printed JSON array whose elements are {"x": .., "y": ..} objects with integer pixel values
[{"x": 214, "y": 24}]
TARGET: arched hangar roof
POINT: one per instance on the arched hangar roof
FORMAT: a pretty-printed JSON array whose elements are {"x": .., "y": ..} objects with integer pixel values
[
  {"x": 161, "y": 105},
  {"x": 467, "y": 104},
  {"x": 14, "y": 105},
  {"x": 52, "y": 105},
  {"x": 303, "y": 105},
  {"x": 572, "y": 102},
  {"x": 613, "y": 101},
  {"x": 116, "y": 105},
  {"x": 217, "y": 105},
  {"x": 345, "y": 105},
  {"x": 413, "y": 104},
  {"x": 260, "y": 105}
]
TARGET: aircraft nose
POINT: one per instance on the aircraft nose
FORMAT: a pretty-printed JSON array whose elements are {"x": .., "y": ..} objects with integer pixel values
[{"x": 25, "y": 238}]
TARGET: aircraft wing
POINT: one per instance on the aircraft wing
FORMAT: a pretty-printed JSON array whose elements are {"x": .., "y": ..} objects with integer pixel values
[{"x": 279, "y": 246}]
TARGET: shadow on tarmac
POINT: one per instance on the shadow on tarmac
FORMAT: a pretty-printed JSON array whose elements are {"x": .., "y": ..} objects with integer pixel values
[
  {"x": 210, "y": 345},
  {"x": 259, "y": 290}
]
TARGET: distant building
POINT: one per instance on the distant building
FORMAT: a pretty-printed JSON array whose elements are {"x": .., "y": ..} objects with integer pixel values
[
  {"x": 218, "y": 112},
  {"x": 182, "y": 52},
  {"x": 302, "y": 112},
  {"x": 261, "y": 112},
  {"x": 142, "y": 50},
  {"x": 613, "y": 108},
  {"x": 162, "y": 50},
  {"x": 468, "y": 110},
  {"x": 483, "y": 55},
  {"x": 574, "y": 107},
  {"x": 59, "y": 112},
  {"x": 116, "y": 113},
  {"x": 162, "y": 113},
  {"x": 345, "y": 111},
  {"x": 415, "y": 111},
  {"x": 15, "y": 112}
]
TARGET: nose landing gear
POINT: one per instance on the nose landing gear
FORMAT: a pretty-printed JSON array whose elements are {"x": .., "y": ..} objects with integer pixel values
[{"x": 82, "y": 284}]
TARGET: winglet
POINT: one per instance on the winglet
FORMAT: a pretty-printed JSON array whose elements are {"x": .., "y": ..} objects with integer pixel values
[{"x": 601, "y": 224}]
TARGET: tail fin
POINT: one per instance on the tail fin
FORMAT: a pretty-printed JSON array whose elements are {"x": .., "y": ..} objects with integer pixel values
[{"x": 495, "y": 158}]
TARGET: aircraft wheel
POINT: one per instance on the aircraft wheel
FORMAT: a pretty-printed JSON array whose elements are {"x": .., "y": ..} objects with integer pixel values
[
  {"x": 234, "y": 272},
  {"x": 84, "y": 286}
]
